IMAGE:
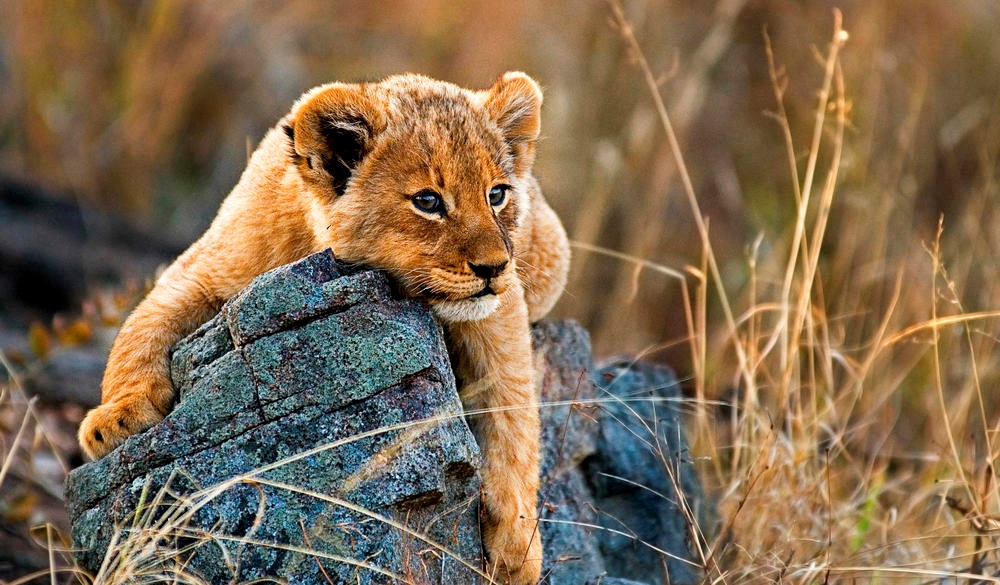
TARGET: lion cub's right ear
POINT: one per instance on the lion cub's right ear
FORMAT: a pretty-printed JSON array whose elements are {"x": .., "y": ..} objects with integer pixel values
[
  {"x": 331, "y": 129},
  {"x": 515, "y": 102}
]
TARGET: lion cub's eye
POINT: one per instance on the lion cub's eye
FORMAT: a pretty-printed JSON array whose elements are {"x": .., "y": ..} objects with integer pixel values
[
  {"x": 428, "y": 201},
  {"x": 498, "y": 194}
]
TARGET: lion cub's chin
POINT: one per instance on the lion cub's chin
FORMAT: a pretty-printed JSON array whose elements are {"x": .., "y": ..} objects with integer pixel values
[{"x": 472, "y": 309}]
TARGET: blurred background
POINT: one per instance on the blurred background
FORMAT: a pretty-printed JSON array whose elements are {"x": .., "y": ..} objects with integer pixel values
[
  {"x": 134, "y": 119},
  {"x": 123, "y": 125}
]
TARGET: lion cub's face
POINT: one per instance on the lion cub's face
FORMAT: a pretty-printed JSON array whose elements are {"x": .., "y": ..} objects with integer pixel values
[{"x": 423, "y": 179}]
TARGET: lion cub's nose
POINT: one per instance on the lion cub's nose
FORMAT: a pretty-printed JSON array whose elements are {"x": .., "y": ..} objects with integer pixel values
[{"x": 488, "y": 270}]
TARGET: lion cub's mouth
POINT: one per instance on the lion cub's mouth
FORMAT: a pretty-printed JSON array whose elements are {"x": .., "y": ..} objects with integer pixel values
[
  {"x": 474, "y": 307},
  {"x": 478, "y": 306}
]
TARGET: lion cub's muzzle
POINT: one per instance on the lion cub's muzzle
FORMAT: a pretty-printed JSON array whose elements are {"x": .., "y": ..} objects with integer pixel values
[{"x": 495, "y": 279}]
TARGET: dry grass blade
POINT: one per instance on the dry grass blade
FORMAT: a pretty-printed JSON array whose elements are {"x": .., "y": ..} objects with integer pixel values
[
  {"x": 628, "y": 35},
  {"x": 622, "y": 533},
  {"x": 11, "y": 456},
  {"x": 378, "y": 518},
  {"x": 635, "y": 260}
]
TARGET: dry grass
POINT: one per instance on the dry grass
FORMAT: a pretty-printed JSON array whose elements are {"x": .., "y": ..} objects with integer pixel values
[
  {"x": 828, "y": 271},
  {"x": 32, "y": 469},
  {"x": 815, "y": 485}
]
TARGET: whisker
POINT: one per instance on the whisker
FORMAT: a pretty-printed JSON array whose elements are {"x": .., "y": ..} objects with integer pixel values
[{"x": 541, "y": 271}]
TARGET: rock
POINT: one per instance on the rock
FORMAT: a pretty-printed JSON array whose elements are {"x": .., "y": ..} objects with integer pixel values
[
  {"x": 612, "y": 442},
  {"x": 635, "y": 489},
  {"x": 319, "y": 438},
  {"x": 296, "y": 398}
]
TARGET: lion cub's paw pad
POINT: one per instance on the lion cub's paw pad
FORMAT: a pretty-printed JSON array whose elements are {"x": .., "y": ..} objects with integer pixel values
[{"x": 107, "y": 426}]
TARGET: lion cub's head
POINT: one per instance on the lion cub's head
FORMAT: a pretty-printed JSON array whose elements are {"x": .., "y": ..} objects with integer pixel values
[{"x": 423, "y": 179}]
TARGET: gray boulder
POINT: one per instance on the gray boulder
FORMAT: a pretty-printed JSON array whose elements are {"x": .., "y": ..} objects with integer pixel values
[
  {"x": 646, "y": 493},
  {"x": 318, "y": 438}
]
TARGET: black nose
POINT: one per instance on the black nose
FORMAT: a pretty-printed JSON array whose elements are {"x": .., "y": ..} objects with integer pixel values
[{"x": 488, "y": 270}]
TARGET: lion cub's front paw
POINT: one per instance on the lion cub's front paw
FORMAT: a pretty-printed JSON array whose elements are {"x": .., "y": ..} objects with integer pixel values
[
  {"x": 516, "y": 551},
  {"x": 108, "y": 425}
]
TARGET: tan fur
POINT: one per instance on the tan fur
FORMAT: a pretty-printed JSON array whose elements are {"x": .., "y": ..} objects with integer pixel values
[{"x": 342, "y": 170}]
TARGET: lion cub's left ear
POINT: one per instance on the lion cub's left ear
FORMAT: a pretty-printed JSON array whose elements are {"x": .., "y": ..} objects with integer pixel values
[{"x": 515, "y": 103}]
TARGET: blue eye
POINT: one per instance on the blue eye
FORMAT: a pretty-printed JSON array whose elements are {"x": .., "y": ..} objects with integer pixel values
[
  {"x": 428, "y": 201},
  {"x": 498, "y": 195}
]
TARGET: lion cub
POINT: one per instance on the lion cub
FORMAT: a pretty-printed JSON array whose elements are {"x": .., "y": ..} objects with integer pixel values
[{"x": 421, "y": 178}]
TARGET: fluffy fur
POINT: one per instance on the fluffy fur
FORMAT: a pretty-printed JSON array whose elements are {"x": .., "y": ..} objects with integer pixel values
[{"x": 419, "y": 177}]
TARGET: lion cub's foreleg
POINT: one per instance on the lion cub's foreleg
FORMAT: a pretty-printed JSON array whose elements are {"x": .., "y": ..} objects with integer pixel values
[
  {"x": 136, "y": 391},
  {"x": 494, "y": 364}
]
